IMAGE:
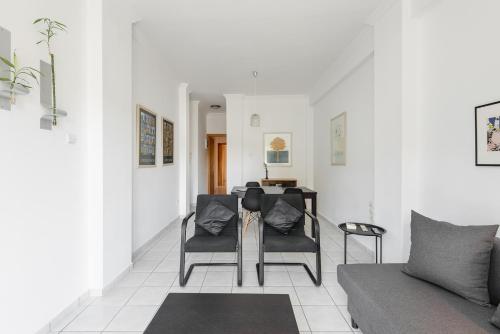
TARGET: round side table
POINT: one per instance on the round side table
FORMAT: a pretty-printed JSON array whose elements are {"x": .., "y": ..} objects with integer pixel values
[{"x": 369, "y": 231}]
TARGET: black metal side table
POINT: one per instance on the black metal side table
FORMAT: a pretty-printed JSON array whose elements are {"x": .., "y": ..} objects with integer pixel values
[{"x": 370, "y": 231}]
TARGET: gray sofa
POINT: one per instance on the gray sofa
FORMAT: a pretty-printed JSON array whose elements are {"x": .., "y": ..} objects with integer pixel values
[{"x": 384, "y": 300}]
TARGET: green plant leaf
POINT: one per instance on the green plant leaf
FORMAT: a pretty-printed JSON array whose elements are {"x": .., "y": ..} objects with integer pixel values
[
  {"x": 4, "y": 79},
  {"x": 7, "y": 62}
]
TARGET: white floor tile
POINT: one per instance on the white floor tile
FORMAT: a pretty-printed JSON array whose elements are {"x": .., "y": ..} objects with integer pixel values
[
  {"x": 220, "y": 278},
  {"x": 277, "y": 278},
  {"x": 300, "y": 318},
  {"x": 161, "y": 279},
  {"x": 196, "y": 279},
  {"x": 250, "y": 289},
  {"x": 132, "y": 318},
  {"x": 216, "y": 289},
  {"x": 313, "y": 296},
  {"x": 148, "y": 296},
  {"x": 290, "y": 291},
  {"x": 145, "y": 266},
  {"x": 93, "y": 318},
  {"x": 301, "y": 279},
  {"x": 132, "y": 280},
  {"x": 325, "y": 318},
  {"x": 115, "y": 297},
  {"x": 338, "y": 294}
]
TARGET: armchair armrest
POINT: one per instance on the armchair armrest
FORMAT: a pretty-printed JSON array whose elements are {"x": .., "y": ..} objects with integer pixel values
[
  {"x": 261, "y": 231},
  {"x": 184, "y": 226},
  {"x": 316, "y": 225}
]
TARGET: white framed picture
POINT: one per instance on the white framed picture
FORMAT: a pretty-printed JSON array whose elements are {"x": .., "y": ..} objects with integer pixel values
[
  {"x": 488, "y": 134},
  {"x": 278, "y": 149},
  {"x": 338, "y": 127}
]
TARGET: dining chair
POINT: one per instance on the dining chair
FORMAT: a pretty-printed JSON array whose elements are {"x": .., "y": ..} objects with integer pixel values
[
  {"x": 251, "y": 205},
  {"x": 229, "y": 239},
  {"x": 272, "y": 241},
  {"x": 252, "y": 184}
]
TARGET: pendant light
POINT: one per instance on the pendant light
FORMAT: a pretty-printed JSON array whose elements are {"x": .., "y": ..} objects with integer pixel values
[{"x": 255, "y": 118}]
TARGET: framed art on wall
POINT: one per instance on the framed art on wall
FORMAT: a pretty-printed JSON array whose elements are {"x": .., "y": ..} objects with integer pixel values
[
  {"x": 278, "y": 149},
  {"x": 338, "y": 126},
  {"x": 168, "y": 141},
  {"x": 487, "y": 118},
  {"x": 146, "y": 137}
]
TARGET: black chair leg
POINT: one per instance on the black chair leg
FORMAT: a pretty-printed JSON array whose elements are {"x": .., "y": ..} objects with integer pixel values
[{"x": 318, "y": 267}]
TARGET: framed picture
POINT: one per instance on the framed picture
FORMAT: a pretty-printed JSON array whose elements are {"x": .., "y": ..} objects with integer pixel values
[
  {"x": 278, "y": 149},
  {"x": 488, "y": 134},
  {"x": 168, "y": 141},
  {"x": 146, "y": 137},
  {"x": 338, "y": 126}
]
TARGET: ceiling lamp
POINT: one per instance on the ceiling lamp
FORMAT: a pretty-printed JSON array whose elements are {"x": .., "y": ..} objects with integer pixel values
[{"x": 255, "y": 118}]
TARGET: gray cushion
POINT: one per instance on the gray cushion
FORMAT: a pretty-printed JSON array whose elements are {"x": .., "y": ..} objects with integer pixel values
[
  {"x": 495, "y": 320},
  {"x": 289, "y": 243},
  {"x": 221, "y": 243},
  {"x": 214, "y": 217},
  {"x": 494, "y": 281},
  {"x": 454, "y": 257},
  {"x": 383, "y": 300},
  {"x": 282, "y": 216}
]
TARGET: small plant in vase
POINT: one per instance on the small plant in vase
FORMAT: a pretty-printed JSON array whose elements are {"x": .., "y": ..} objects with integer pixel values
[
  {"x": 17, "y": 76},
  {"x": 51, "y": 28}
]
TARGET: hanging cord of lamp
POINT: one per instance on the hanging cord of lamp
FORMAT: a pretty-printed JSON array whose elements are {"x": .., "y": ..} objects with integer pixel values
[{"x": 255, "y": 118}]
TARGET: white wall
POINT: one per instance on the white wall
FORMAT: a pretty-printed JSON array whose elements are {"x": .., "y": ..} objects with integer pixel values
[
  {"x": 455, "y": 76},
  {"x": 216, "y": 123},
  {"x": 117, "y": 138},
  {"x": 345, "y": 192},
  {"x": 202, "y": 153},
  {"x": 280, "y": 113},
  {"x": 43, "y": 230},
  {"x": 155, "y": 196}
]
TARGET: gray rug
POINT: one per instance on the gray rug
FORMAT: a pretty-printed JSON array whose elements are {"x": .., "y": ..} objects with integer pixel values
[{"x": 214, "y": 313}]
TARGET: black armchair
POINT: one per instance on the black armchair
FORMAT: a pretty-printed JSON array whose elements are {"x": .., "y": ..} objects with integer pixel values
[
  {"x": 296, "y": 240},
  {"x": 229, "y": 240}
]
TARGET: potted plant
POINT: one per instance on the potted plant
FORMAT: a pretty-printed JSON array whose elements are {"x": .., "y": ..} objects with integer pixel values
[
  {"x": 17, "y": 77},
  {"x": 49, "y": 32}
]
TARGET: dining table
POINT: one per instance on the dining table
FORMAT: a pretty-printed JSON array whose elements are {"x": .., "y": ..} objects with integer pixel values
[{"x": 308, "y": 194}]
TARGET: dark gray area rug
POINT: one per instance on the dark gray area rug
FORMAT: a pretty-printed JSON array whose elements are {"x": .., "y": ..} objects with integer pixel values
[{"x": 214, "y": 313}]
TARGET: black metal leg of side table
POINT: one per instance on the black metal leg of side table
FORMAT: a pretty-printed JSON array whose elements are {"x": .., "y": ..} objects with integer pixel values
[
  {"x": 380, "y": 248},
  {"x": 376, "y": 249},
  {"x": 345, "y": 247}
]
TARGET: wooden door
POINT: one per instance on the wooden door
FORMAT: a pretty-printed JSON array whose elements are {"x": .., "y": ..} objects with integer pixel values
[{"x": 217, "y": 161}]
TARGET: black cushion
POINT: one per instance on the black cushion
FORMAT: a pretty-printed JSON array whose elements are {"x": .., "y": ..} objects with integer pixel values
[
  {"x": 282, "y": 216},
  {"x": 454, "y": 257},
  {"x": 230, "y": 202},
  {"x": 494, "y": 281},
  {"x": 289, "y": 243},
  {"x": 222, "y": 243},
  {"x": 214, "y": 217}
]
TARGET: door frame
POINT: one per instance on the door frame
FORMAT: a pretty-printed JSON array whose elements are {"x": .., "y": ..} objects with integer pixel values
[{"x": 210, "y": 147}]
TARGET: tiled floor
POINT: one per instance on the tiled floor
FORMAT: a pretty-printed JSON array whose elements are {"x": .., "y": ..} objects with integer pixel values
[{"x": 132, "y": 303}]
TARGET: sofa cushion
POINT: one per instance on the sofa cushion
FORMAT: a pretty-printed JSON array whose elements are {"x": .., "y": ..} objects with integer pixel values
[
  {"x": 383, "y": 300},
  {"x": 454, "y": 257},
  {"x": 494, "y": 281},
  {"x": 214, "y": 217}
]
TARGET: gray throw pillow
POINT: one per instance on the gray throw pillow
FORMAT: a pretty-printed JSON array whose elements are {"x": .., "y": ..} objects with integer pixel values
[
  {"x": 494, "y": 281},
  {"x": 495, "y": 320},
  {"x": 282, "y": 216},
  {"x": 456, "y": 258},
  {"x": 214, "y": 217}
]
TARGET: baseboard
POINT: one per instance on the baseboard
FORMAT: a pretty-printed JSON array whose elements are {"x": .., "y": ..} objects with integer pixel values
[
  {"x": 137, "y": 254},
  {"x": 351, "y": 240},
  {"x": 53, "y": 324}
]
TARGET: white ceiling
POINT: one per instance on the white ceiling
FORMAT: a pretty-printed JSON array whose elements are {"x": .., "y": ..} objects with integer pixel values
[{"x": 214, "y": 45}]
